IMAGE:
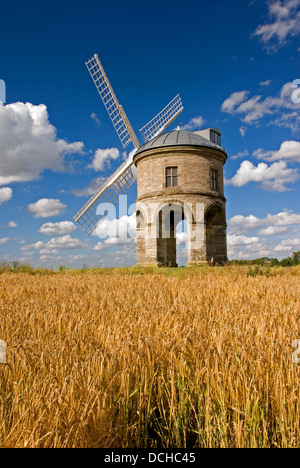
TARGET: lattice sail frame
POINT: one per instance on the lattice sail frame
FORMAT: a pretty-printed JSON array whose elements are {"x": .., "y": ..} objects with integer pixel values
[
  {"x": 125, "y": 176},
  {"x": 117, "y": 184},
  {"x": 162, "y": 120},
  {"x": 115, "y": 110}
]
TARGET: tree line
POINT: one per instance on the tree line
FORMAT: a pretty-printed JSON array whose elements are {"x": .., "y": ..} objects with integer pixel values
[{"x": 286, "y": 262}]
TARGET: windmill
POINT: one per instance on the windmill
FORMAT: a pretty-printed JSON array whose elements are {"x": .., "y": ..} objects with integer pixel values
[{"x": 125, "y": 176}]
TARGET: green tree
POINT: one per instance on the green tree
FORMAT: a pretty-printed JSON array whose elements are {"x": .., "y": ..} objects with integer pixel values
[{"x": 296, "y": 257}]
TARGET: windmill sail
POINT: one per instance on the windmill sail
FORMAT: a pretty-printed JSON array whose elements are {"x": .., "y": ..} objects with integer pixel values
[
  {"x": 162, "y": 120},
  {"x": 117, "y": 184},
  {"x": 115, "y": 110},
  {"x": 125, "y": 176}
]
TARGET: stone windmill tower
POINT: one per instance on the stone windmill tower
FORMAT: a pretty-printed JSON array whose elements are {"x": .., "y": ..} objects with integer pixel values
[{"x": 180, "y": 177}]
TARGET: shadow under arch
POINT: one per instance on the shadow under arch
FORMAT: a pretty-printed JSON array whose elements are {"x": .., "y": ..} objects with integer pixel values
[
  {"x": 167, "y": 219},
  {"x": 215, "y": 234}
]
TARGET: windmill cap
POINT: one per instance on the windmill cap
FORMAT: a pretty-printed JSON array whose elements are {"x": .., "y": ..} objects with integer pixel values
[{"x": 179, "y": 138}]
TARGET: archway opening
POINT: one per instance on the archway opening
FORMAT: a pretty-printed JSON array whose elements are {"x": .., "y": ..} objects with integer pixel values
[
  {"x": 169, "y": 234},
  {"x": 216, "y": 244},
  {"x": 182, "y": 252}
]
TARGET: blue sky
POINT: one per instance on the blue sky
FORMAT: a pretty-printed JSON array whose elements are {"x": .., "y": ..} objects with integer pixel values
[{"x": 233, "y": 64}]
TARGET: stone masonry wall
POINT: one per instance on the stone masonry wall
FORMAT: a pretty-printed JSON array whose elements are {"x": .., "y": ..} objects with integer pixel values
[{"x": 193, "y": 194}]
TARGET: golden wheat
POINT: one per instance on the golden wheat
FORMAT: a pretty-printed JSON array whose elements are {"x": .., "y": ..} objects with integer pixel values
[{"x": 158, "y": 359}]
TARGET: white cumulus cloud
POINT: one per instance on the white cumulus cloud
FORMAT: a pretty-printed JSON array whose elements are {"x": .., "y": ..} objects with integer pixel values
[
  {"x": 103, "y": 158},
  {"x": 114, "y": 229},
  {"x": 239, "y": 223},
  {"x": 266, "y": 83},
  {"x": 6, "y": 194},
  {"x": 272, "y": 230},
  {"x": 241, "y": 154},
  {"x": 289, "y": 151},
  {"x": 91, "y": 188},
  {"x": 96, "y": 119},
  {"x": 284, "y": 218},
  {"x": 234, "y": 240},
  {"x": 58, "y": 229},
  {"x": 29, "y": 143},
  {"x": 194, "y": 123},
  {"x": 55, "y": 244},
  {"x": 12, "y": 224},
  {"x": 46, "y": 207},
  {"x": 230, "y": 104},
  {"x": 284, "y": 22},
  {"x": 273, "y": 177},
  {"x": 253, "y": 109},
  {"x": 288, "y": 245}
]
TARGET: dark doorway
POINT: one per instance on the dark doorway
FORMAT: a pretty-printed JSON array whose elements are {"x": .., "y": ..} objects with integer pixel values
[
  {"x": 216, "y": 243},
  {"x": 168, "y": 219}
]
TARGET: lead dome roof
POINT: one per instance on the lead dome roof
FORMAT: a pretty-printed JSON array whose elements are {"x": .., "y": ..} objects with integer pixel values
[{"x": 179, "y": 138}]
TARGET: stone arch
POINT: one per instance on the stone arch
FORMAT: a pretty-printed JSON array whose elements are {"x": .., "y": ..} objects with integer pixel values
[
  {"x": 215, "y": 234},
  {"x": 186, "y": 208},
  {"x": 168, "y": 216},
  {"x": 140, "y": 219}
]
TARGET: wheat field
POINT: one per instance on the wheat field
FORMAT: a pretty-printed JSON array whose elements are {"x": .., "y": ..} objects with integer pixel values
[{"x": 150, "y": 358}]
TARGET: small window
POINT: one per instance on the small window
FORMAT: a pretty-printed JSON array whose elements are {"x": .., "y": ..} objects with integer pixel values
[
  {"x": 215, "y": 137},
  {"x": 171, "y": 177},
  {"x": 214, "y": 179}
]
